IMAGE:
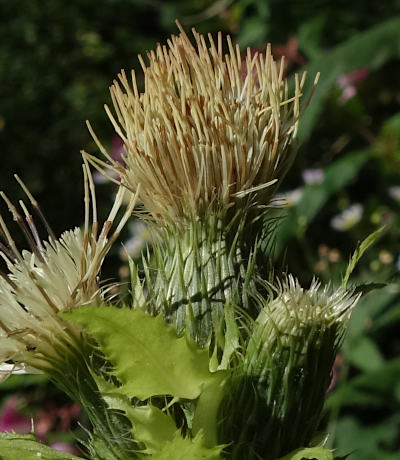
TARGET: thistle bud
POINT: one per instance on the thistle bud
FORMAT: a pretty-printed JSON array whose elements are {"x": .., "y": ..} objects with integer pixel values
[{"x": 276, "y": 397}]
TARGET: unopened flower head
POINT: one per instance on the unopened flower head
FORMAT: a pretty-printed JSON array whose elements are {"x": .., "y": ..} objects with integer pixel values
[
  {"x": 288, "y": 361},
  {"x": 54, "y": 275},
  {"x": 301, "y": 318},
  {"x": 210, "y": 129},
  {"x": 302, "y": 307}
]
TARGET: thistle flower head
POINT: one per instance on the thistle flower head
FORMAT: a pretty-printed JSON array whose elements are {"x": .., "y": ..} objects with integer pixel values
[
  {"x": 53, "y": 275},
  {"x": 277, "y": 396},
  {"x": 295, "y": 308},
  {"x": 210, "y": 129}
]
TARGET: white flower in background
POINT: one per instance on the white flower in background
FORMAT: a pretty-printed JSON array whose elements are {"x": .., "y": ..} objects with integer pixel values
[
  {"x": 348, "y": 218},
  {"x": 394, "y": 192},
  {"x": 287, "y": 199},
  {"x": 54, "y": 275},
  {"x": 312, "y": 176},
  {"x": 141, "y": 237}
]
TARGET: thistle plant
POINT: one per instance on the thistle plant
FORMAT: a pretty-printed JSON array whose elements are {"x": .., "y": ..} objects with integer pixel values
[{"x": 212, "y": 356}]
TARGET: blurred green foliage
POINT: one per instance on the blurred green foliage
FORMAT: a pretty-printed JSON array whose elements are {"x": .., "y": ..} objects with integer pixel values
[{"x": 57, "y": 60}]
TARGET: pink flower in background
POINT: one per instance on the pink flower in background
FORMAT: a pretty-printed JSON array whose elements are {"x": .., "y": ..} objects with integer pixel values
[
  {"x": 52, "y": 419},
  {"x": 55, "y": 418},
  {"x": 290, "y": 51},
  {"x": 117, "y": 150},
  {"x": 335, "y": 372},
  {"x": 13, "y": 421},
  {"x": 348, "y": 83},
  {"x": 312, "y": 176}
]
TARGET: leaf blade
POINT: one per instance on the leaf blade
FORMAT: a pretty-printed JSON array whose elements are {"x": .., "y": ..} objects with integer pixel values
[
  {"x": 359, "y": 252},
  {"x": 16, "y": 446},
  {"x": 138, "y": 352},
  {"x": 317, "y": 453},
  {"x": 369, "y": 49},
  {"x": 183, "y": 449}
]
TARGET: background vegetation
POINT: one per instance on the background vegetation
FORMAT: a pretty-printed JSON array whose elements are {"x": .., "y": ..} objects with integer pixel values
[{"x": 58, "y": 58}]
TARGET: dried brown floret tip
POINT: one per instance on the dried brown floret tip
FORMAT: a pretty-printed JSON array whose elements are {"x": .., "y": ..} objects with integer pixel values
[{"x": 211, "y": 128}]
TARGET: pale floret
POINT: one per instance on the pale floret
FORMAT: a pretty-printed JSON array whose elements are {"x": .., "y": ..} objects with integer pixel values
[
  {"x": 314, "y": 304},
  {"x": 209, "y": 130},
  {"x": 56, "y": 275}
]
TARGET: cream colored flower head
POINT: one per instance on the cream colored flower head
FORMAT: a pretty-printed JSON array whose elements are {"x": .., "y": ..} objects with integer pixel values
[
  {"x": 297, "y": 322},
  {"x": 54, "y": 275},
  {"x": 211, "y": 129},
  {"x": 295, "y": 309}
]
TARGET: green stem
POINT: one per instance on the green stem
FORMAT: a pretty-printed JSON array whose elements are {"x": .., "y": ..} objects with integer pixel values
[{"x": 73, "y": 374}]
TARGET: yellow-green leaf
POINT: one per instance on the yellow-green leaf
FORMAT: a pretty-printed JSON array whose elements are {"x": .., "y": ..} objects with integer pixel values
[
  {"x": 188, "y": 449},
  {"x": 358, "y": 253},
  {"x": 148, "y": 357},
  {"x": 24, "y": 446},
  {"x": 316, "y": 453}
]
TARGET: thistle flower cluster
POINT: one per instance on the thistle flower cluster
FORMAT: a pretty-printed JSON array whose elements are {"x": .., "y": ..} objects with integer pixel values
[
  {"x": 54, "y": 275},
  {"x": 209, "y": 130},
  {"x": 206, "y": 145}
]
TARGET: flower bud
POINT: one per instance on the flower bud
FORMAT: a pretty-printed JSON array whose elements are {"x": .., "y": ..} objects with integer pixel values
[{"x": 276, "y": 397}]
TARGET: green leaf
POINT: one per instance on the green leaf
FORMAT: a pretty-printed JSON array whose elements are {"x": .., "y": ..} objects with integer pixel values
[
  {"x": 137, "y": 288},
  {"x": 317, "y": 453},
  {"x": 20, "y": 381},
  {"x": 336, "y": 176},
  {"x": 231, "y": 336},
  {"x": 364, "y": 354},
  {"x": 368, "y": 287},
  {"x": 310, "y": 36},
  {"x": 24, "y": 446},
  {"x": 99, "y": 449},
  {"x": 375, "y": 388},
  {"x": 148, "y": 356},
  {"x": 253, "y": 32},
  {"x": 150, "y": 425},
  {"x": 188, "y": 449},
  {"x": 367, "y": 442},
  {"x": 358, "y": 253},
  {"x": 369, "y": 49},
  {"x": 388, "y": 318},
  {"x": 205, "y": 416},
  {"x": 369, "y": 310}
]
